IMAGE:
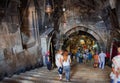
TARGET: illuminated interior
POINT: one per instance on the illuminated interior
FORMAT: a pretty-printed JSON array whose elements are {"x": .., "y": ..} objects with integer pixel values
[{"x": 81, "y": 40}]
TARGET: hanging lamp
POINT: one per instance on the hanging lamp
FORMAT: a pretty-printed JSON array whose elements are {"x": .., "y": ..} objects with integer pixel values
[{"x": 48, "y": 7}]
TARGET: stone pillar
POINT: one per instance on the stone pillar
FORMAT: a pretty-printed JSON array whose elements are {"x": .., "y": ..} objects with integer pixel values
[
  {"x": 44, "y": 47},
  {"x": 31, "y": 22}
]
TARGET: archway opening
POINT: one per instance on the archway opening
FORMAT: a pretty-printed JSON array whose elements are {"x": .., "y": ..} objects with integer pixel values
[
  {"x": 52, "y": 47},
  {"x": 81, "y": 40}
]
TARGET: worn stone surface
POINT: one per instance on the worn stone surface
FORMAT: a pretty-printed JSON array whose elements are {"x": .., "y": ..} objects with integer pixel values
[
  {"x": 80, "y": 73},
  {"x": 20, "y": 23}
]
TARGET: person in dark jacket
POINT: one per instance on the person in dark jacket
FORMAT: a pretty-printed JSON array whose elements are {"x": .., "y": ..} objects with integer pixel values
[{"x": 47, "y": 60}]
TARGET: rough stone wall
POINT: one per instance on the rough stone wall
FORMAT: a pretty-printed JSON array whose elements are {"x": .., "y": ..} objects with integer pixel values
[
  {"x": 13, "y": 58},
  {"x": 96, "y": 25},
  {"x": 118, "y": 11}
]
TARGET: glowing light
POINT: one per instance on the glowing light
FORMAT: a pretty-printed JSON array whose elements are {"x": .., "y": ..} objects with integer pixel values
[
  {"x": 82, "y": 42},
  {"x": 63, "y": 9},
  {"x": 48, "y": 9},
  {"x": 94, "y": 46}
]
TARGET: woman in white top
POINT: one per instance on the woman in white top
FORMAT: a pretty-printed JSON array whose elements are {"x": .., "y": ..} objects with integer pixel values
[
  {"x": 59, "y": 61},
  {"x": 66, "y": 64}
]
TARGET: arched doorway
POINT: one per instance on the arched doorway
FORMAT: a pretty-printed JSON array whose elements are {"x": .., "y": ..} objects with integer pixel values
[
  {"x": 83, "y": 38},
  {"x": 52, "y": 41},
  {"x": 52, "y": 52}
]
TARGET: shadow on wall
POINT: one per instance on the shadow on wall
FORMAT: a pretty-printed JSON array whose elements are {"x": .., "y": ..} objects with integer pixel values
[{"x": 19, "y": 62}]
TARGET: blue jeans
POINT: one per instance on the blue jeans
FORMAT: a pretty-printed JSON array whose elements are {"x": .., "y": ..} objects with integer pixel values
[
  {"x": 67, "y": 72},
  {"x": 112, "y": 81},
  {"x": 102, "y": 64}
]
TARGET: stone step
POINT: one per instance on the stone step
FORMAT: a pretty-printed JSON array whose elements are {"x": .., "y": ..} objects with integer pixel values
[
  {"x": 35, "y": 78},
  {"x": 80, "y": 73},
  {"x": 41, "y": 72},
  {"x": 24, "y": 79},
  {"x": 10, "y": 80}
]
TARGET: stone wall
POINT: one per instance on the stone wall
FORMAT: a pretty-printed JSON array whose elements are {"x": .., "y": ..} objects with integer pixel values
[
  {"x": 19, "y": 62},
  {"x": 95, "y": 25},
  {"x": 13, "y": 57},
  {"x": 118, "y": 11}
]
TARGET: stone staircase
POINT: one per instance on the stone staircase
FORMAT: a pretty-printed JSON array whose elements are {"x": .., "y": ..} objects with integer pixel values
[
  {"x": 80, "y": 73},
  {"x": 39, "y": 75}
]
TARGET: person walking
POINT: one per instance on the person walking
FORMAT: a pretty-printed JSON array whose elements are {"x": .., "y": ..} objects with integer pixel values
[
  {"x": 89, "y": 58},
  {"x": 115, "y": 74},
  {"x": 47, "y": 60},
  {"x": 66, "y": 65},
  {"x": 107, "y": 58},
  {"x": 102, "y": 60},
  {"x": 96, "y": 60},
  {"x": 59, "y": 62},
  {"x": 78, "y": 55},
  {"x": 84, "y": 58}
]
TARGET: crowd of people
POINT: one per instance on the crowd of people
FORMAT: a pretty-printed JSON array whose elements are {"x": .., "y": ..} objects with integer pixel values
[
  {"x": 63, "y": 60},
  {"x": 98, "y": 60},
  {"x": 86, "y": 56}
]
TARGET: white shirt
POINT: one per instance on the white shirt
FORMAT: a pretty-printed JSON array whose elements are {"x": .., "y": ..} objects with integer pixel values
[
  {"x": 102, "y": 56},
  {"x": 57, "y": 59},
  {"x": 67, "y": 63}
]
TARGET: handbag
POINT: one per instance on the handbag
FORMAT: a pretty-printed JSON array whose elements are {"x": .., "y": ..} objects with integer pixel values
[{"x": 60, "y": 70}]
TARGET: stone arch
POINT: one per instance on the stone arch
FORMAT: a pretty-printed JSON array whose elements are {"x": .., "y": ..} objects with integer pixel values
[
  {"x": 51, "y": 46},
  {"x": 50, "y": 38},
  {"x": 100, "y": 41}
]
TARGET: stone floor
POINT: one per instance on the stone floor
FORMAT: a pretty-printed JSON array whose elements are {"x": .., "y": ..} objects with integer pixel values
[{"x": 80, "y": 73}]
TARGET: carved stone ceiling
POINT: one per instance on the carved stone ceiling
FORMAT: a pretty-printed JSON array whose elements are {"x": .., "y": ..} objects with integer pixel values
[{"x": 86, "y": 7}]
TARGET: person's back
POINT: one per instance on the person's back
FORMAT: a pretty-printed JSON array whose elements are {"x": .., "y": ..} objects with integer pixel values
[
  {"x": 58, "y": 61},
  {"x": 47, "y": 60},
  {"x": 78, "y": 55},
  {"x": 58, "y": 58},
  {"x": 89, "y": 56},
  {"x": 85, "y": 56},
  {"x": 96, "y": 60},
  {"x": 102, "y": 56},
  {"x": 96, "y": 57},
  {"x": 66, "y": 64},
  {"x": 102, "y": 60}
]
